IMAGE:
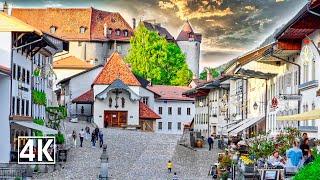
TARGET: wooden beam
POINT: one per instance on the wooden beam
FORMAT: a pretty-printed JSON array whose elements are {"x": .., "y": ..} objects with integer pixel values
[{"x": 289, "y": 44}]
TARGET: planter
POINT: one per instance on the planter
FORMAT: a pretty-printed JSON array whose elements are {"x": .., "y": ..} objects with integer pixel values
[{"x": 199, "y": 144}]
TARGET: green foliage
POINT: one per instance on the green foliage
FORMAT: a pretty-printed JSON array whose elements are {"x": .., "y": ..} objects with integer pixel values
[
  {"x": 60, "y": 138},
  {"x": 56, "y": 115},
  {"x": 310, "y": 171},
  {"x": 285, "y": 140},
  {"x": 37, "y": 72},
  {"x": 214, "y": 72},
  {"x": 40, "y": 122},
  {"x": 39, "y": 97},
  {"x": 155, "y": 59}
]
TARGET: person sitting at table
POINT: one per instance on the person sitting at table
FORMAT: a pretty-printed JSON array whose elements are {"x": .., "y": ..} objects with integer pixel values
[
  {"x": 276, "y": 160},
  {"x": 309, "y": 158},
  {"x": 305, "y": 147}
]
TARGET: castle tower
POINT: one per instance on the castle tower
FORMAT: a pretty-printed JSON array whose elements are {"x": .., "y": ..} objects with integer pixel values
[{"x": 189, "y": 42}]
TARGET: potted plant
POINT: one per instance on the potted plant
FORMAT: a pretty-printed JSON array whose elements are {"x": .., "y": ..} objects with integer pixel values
[{"x": 246, "y": 165}]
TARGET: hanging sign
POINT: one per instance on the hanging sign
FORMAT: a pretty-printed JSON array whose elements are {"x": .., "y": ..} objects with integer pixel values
[{"x": 274, "y": 102}]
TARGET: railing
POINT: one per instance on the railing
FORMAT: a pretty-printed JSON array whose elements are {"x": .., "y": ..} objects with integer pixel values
[{"x": 12, "y": 172}]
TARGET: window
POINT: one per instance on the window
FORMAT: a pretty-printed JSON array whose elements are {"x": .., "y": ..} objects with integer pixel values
[
  {"x": 160, "y": 110},
  {"x": 23, "y": 75},
  {"x": 169, "y": 125},
  {"x": 14, "y": 71},
  {"x": 13, "y": 105},
  {"x": 53, "y": 29},
  {"x": 79, "y": 43},
  {"x": 109, "y": 31},
  {"x": 179, "y": 125},
  {"x": 82, "y": 30},
  {"x": 179, "y": 110},
  {"x": 313, "y": 70},
  {"x": 145, "y": 100},
  {"x": 188, "y": 111},
  {"x": 19, "y": 73},
  {"x": 28, "y": 77},
  {"x": 125, "y": 32},
  {"x": 159, "y": 125},
  {"x": 118, "y": 32},
  {"x": 22, "y": 107},
  {"x": 18, "y": 106},
  {"x": 27, "y": 108},
  {"x": 169, "y": 110},
  {"x": 119, "y": 48}
]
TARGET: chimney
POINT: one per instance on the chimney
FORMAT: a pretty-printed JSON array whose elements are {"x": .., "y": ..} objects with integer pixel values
[
  {"x": 5, "y": 7},
  {"x": 105, "y": 30},
  {"x": 209, "y": 75},
  {"x": 133, "y": 23}
]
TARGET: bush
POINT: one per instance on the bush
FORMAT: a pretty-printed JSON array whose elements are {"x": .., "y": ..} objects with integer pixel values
[
  {"x": 39, "y": 97},
  {"x": 40, "y": 122},
  {"x": 311, "y": 171},
  {"x": 60, "y": 138}
]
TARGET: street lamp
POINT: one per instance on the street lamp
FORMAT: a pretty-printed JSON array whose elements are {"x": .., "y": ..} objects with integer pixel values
[{"x": 255, "y": 106}]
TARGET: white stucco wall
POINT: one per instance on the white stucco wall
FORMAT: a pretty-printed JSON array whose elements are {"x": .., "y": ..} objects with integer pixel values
[
  {"x": 192, "y": 51},
  {"x": 64, "y": 73},
  {"x": 174, "y": 117},
  {"x": 4, "y": 122},
  {"x": 5, "y": 49}
]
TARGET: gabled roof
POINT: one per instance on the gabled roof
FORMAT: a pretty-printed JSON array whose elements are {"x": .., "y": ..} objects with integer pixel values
[
  {"x": 85, "y": 98},
  {"x": 114, "y": 69},
  {"x": 146, "y": 113},
  {"x": 158, "y": 28},
  {"x": 12, "y": 24},
  {"x": 170, "y": 92},
  {"x": 83, "y": 72},
  {"x": 187, "y": 33},
  {"x": 69, "y": 20},
  {"x": 71, "y": 62}
]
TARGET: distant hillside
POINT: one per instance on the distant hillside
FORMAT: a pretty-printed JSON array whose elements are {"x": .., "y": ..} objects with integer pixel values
[{"x": 271, "y": 38}]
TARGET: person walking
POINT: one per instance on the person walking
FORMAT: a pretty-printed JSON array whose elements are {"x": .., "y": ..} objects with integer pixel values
[
  {"x": 93, "y": 139},
  {"x": 74, "y": 137},
  {"x": 210, "y": 142},
  {"x": 87, "y": 132},
  {"x": 175, "y": 176},
  {"x": 101, "y": 138},
  {"x": 96, "y": 131},
  {"x": 81, "y": 135},
  {"x": 169, "y": 166}
]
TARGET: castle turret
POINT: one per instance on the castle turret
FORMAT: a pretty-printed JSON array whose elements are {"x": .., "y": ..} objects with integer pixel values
[{"x": 189, "y": 42}]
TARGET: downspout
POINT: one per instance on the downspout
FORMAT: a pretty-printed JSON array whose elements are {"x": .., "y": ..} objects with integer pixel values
[
  {"x": 266, "y": 102},
  {"x": 312, "y": 12},
  {"x": 299, "y": 77}
]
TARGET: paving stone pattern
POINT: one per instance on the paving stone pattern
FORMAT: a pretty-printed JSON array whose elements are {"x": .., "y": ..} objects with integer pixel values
[{"x": 133, "y": 155}]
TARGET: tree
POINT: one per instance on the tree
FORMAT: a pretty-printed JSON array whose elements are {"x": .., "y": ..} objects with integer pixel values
[
  {"x": 214, "y": 72},
  {"x": 155, "y": 59}
]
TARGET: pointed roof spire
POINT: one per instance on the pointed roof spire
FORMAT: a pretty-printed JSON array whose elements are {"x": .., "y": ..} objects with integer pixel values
[
  {"x": 187, "y": 27},
  {"x": 187, "y": 33}
]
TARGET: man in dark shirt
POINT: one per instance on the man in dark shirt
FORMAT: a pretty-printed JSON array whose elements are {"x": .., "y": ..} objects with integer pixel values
[{"x": 305, "y": 147}]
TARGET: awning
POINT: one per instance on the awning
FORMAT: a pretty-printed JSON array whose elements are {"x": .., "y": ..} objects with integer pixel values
[
  {"x": 38, "y": 127},
  {"x": 247, "y": 124},
  {"x": 310, "y": 115}
]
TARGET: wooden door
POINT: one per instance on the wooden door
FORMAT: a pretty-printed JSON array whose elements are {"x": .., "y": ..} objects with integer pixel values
[{"x": 115, "y": 118}]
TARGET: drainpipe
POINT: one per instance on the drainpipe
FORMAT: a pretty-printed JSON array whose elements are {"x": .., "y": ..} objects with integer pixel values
[
  {"x": 266, "y": 102},
  {"x": 299, "y": 74},
  {"x": 312, "y": 12}
]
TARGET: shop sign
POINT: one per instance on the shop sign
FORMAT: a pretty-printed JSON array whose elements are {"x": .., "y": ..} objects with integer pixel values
[
  {"x": 274, "y": 102},
  {"x": 291, "y": 97}
]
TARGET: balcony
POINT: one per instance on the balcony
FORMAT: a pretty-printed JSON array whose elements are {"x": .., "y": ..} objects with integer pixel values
[
  {"x": 308, "y": 129},
  {"x": 309, "y": 84}
]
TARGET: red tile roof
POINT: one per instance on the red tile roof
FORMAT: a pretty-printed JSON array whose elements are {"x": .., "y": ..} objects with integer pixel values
[
  {"x": 69, "y": 20},
  {"x": 170, "y": 92},
  {"x": 87, "y": 97},
  {"x": 5, "y": 70},
  {"x": 71, "y": 62},
  {"x": 146, "y": 113},
  {"x": 114, "y": 69},
  {"x": 186, "y": 33}
]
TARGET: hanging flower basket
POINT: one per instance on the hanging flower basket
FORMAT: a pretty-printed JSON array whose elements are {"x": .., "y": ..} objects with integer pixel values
[{"x": 37, "y": 72}]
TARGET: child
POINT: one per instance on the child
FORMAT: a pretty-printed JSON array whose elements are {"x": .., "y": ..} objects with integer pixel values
[{"x": 169, "y": 166}]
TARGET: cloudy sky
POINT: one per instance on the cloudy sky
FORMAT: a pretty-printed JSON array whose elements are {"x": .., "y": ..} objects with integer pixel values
[{"x": 229, "y": 27}]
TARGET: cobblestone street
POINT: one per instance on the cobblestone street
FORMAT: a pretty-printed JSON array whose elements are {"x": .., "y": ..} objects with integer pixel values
[{"x": 134, "y": 155}]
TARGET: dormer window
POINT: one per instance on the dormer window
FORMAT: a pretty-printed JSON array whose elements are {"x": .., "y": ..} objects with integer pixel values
[
  {"x": 125, "y": 32},
  {"x": 53, "y": 29},
  {"x": 110, "y": 31},
  {"x": 191, "y": 35},
  {"x": 118, "y": 32},
  {"x": 82, "y": 29}
]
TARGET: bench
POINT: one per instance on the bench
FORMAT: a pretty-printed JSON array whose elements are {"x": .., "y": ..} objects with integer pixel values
[{"x": 130, "y": 127}]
